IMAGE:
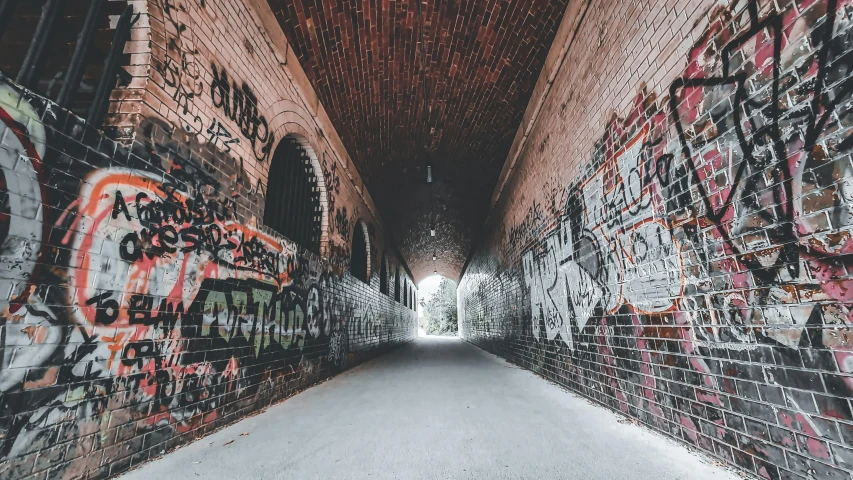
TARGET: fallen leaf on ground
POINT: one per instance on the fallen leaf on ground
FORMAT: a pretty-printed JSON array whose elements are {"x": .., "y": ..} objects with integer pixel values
[
  {"x": 229, "y": 442},
  {"x": 244, "y": 434}
]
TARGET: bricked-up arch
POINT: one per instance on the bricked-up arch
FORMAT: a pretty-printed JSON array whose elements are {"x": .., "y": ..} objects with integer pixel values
[
  {"x": 483, "y": 59},
  {"x": 293, "y": 206},
  {"x": 383, "y": 277},
  {"x": 360, "y": 256}
]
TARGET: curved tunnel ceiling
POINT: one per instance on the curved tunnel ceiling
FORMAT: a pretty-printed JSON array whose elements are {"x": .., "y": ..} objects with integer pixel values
[{"x": 483, "y": 61}]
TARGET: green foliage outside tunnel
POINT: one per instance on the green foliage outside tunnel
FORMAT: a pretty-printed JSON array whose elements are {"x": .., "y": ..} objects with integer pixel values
[{"x": 439, "y": 310}]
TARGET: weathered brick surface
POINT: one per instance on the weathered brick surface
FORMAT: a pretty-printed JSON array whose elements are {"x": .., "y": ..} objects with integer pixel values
[
  {"x": 143, "y": 304},
  {"x": 675, "y": 239},
  {"x": 482, "y": 59}
]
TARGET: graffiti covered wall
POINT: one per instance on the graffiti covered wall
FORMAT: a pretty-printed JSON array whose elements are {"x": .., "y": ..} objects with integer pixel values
[
  {"x": 685, "y": 262},
  {"x": 144, "y": 304}
]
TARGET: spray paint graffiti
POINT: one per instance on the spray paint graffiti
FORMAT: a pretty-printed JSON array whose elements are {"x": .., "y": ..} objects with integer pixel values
[
  {"x": 343, "y": 224},
  {"x": 220, "y": 136},
  {"x": 609, "y": 249},
  {"x": 708, "y": 242},
  {"x": 179, "y": 69},
  {"x": 240, "y": 104},
  {"x": 332, "y": 179},
  {"x": 23, "y": 226},
  {"x": 143, "y": 303}
]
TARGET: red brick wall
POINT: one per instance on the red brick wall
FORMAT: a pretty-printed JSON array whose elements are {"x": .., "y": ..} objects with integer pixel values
[
  {"x": 452, "y": 101},
  {"x": 674, "y": 237},
  {"x": 144, "y": 304}
]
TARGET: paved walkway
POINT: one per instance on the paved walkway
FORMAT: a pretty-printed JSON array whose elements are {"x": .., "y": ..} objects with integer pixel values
[{"x": 434, "y": 409}]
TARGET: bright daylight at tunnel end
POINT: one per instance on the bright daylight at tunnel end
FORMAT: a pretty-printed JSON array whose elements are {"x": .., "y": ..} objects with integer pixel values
[{"x": 208, "y": 208}]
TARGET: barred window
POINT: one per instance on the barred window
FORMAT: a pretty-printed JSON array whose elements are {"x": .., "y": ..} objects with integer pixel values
[
  {"x": 358, "y": 260},
  {"x": 405, "y": 293},
  {"x": 383, "y": 277},
  {"x": 293, "y": 196}
]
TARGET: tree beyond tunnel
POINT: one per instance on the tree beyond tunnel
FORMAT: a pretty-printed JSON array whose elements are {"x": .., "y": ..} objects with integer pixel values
[{"x": 437, "y": 306}]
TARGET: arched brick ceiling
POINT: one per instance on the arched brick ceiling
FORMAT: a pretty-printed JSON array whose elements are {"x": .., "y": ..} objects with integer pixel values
[{"x": 483, "y": 60}]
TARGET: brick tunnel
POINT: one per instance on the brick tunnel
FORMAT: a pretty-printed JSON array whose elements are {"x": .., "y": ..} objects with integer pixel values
[{"x": 215, "y": 215}]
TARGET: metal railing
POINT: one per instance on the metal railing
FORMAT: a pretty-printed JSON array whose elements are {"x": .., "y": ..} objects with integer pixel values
[{"x": 38, "y": 50}]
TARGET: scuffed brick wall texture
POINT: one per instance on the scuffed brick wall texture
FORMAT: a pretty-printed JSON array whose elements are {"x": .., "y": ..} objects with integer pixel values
[
  {"x": 143, "y": 303},
  {"x": 675, "y": 238}
]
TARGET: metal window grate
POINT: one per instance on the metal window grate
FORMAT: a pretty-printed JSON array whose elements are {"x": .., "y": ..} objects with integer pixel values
[
  {"x": 358, "y": 261},
  {"x": 293, "y": 196},
  {"x": 383, "y": 277},
  {"x": 397, "y": 285},
  {"x": 69, "y": 47}
]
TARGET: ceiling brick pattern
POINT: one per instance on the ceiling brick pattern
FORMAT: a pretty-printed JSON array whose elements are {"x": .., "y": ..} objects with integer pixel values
[{"x": 483, "y": 58}]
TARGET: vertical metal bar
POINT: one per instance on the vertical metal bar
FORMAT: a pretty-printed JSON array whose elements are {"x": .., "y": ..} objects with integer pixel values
[
  {"x": 303, "y": 206},
  {"x": 292, "y": 182},
  {"x": 108, "y": 80},
  {"x": 309, "y": 205},
  {"x": 29, "y": 73},
  {"x": 300, "y": 204},
  {"x": 316, "y": 218},
  {"x": 280, "y": 180},
  {"x": 7, "y": 8},
  {"x": 269, "y": 200},
  {"x": 383, "y": 276},
  {"x": 311, "y": 208},
  {"x": 287, "y": 184},
  {"x": 272, "y": 203},
  {"x": 81, "y": 51},
  {"x": 293, "y": 209}
]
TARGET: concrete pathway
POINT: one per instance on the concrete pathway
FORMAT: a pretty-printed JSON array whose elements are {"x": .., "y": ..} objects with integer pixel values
[{"x": 434, "y": 409}]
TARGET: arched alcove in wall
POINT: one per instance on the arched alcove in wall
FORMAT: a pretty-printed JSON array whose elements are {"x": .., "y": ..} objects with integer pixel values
[
  {"x": 360, "y": 256},
  {"x": 405, "y": 293},
  {"x": 295, "y": 205},
  {"x": 383, "y": 277},
  {"x": 397, "y": 285}
]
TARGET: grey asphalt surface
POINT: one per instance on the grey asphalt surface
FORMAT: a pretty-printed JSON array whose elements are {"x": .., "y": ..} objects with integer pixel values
[{"x": 437, "y": 408}]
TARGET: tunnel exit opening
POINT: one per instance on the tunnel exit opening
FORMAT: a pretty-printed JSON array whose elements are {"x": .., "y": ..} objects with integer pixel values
[{"x": 437, "y": 314}]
